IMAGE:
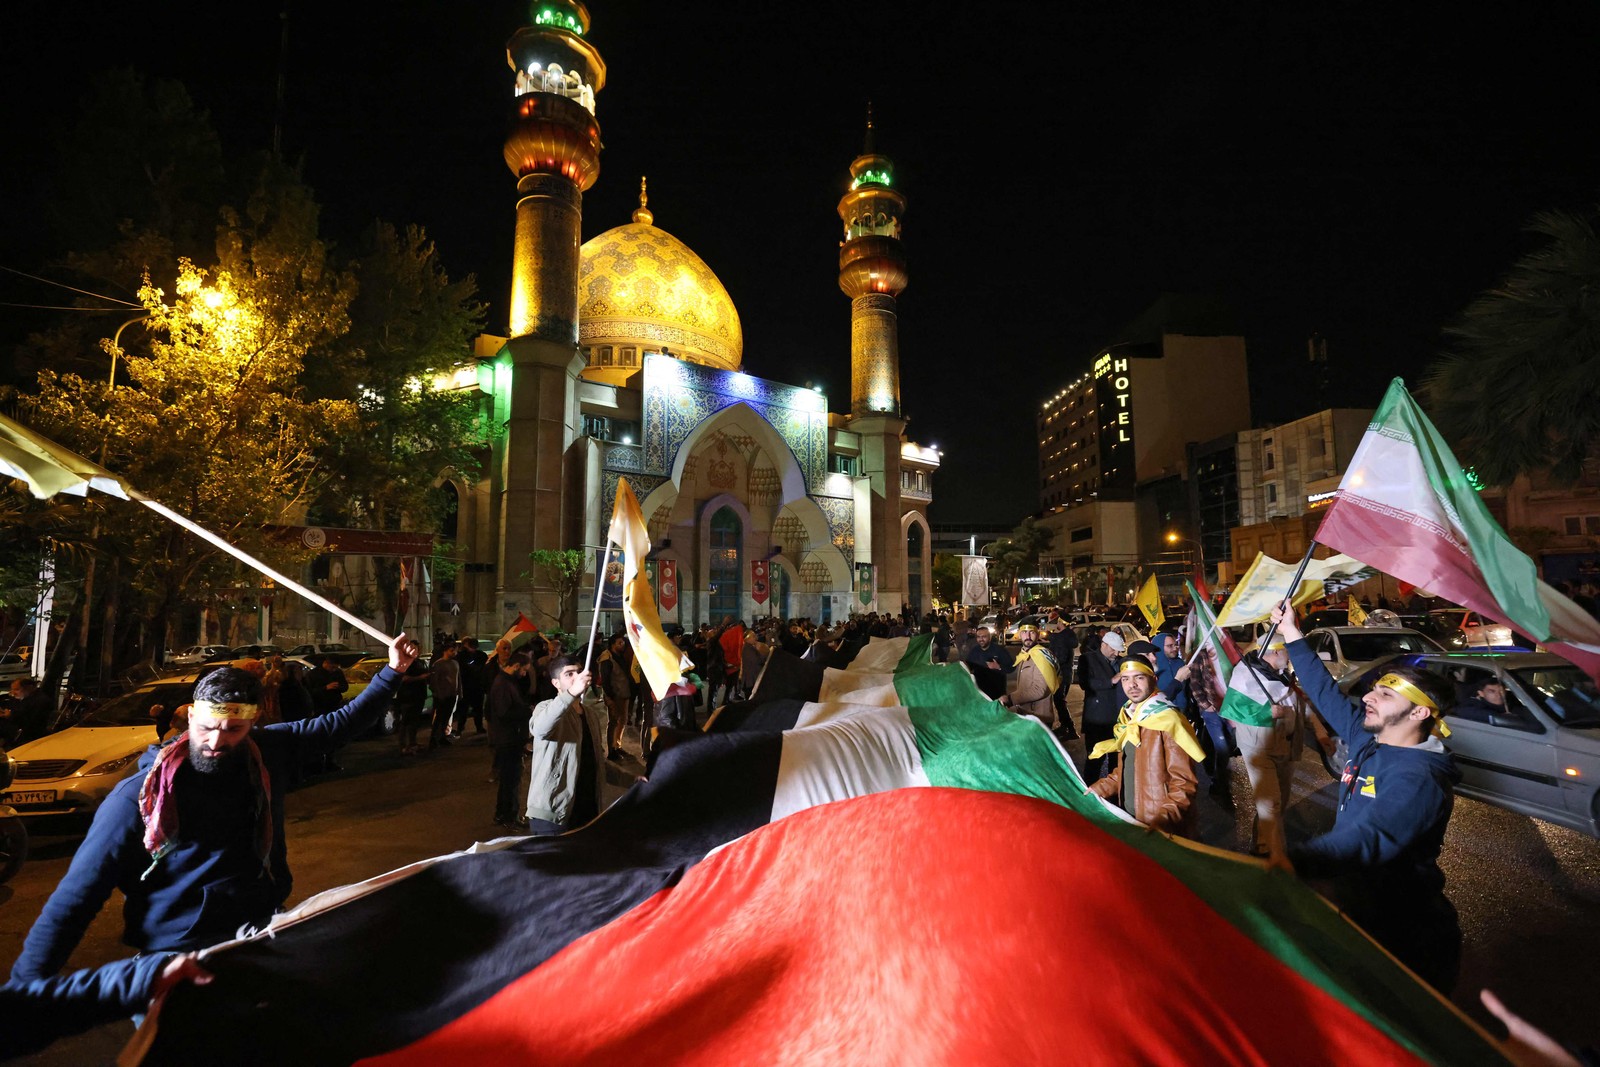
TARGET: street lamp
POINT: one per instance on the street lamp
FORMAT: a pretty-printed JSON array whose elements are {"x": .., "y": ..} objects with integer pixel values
[{"x": 1173, "y": 538}]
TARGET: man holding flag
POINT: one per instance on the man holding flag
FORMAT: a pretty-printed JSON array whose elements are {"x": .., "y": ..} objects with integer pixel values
[{"x": 1381, "y": 859}]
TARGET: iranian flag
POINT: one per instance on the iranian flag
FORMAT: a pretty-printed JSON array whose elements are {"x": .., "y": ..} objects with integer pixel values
[
  {"x": 1210, "y": 652},
  {"x": 1406, "y": 507},
  {"x": 865, "y": 867}
]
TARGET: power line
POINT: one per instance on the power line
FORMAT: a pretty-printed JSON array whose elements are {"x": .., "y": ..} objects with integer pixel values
[
  {"x": 64, "y": 285},
  {"x": 62, "y": 307}
]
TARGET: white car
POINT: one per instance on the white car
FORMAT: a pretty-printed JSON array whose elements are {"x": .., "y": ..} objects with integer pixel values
[
  {"x": 1348, "y": 648},
  {"x": 195, "y": 655},
  {"x": 71, "y": 771}
]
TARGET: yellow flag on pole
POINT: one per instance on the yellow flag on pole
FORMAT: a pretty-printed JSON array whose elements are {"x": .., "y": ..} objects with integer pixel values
[
  {"x": 661, "y": 661},
  {"x": 1149, "y": 601},
  {"x": 1358, "y": 616}
]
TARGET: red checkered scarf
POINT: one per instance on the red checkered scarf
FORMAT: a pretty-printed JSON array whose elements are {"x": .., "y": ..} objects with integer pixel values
[{"x": 160, "y": 814}]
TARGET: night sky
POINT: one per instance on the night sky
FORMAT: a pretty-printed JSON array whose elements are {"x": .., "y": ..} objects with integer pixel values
[{"x": 1360, "y": 171}]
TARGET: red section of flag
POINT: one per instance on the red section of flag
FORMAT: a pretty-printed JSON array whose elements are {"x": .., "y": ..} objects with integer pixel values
[
  {"x": 850, "y": 933},
  {"x": 667, "y": 570},
  {"x": 1406, "y": 589},
  {"x": 758, "y": 581},
  {"x": 523, "y": 625}
]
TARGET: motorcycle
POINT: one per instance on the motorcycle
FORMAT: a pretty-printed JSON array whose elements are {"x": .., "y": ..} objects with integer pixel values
[{"x": 13, "y": 834}]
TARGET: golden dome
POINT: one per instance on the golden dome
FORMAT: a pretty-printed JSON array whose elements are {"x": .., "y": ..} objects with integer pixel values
[{"x": 639, "y": 285}]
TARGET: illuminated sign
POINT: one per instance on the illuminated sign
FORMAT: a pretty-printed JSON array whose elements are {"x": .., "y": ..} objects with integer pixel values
[
  {"x": 1114, "y": 399},
  {"x": 1316, "y": 500}
]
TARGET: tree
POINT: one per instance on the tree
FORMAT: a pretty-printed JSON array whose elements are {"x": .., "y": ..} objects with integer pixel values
[
  {"x": 212, "y": 420},
  {"x": 410, "y": 325},
  {"x": 564, "y": 569},
  {"x": 946, "y": 577},
  {"x": 1518, "y": 390},
  {"x": 1014, "y": 556}
]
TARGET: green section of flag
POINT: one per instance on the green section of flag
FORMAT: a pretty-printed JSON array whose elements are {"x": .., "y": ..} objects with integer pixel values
[
  {"x": 1509, "y": 574},
  {"x": 1245, "y": 708},
  {"x": 967, "y": 741}
]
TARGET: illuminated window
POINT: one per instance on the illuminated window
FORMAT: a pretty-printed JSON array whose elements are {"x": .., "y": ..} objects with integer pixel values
[
  {"x": 629, "y": 358},
  {"x": 605, "y": 355},
  {"x": 727, "y": 538}
]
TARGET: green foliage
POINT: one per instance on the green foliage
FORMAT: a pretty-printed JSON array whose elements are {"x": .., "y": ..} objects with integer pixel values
[
  {"x": 563, "y": 569},
  {"x": 1017, "y": 555},
  {"x": 946, "y": 577},
  {"x": 409, "y": 324},
  {"x": 1518, "y": 390}
]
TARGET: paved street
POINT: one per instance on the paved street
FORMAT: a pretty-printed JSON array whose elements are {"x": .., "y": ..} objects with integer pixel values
[{"x": 1527, "y": 891}]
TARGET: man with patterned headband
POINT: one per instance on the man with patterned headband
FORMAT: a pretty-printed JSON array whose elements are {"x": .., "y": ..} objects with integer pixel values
[
  {"x": 1154, "y": 781},
  {"x": 1380, "y": 862},
  {"x": 195, "y": 841},
  {"x": 1038, "y": 678}
]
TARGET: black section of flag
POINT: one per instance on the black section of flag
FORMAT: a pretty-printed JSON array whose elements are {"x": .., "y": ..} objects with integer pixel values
[{"x": 386, "y": 969}]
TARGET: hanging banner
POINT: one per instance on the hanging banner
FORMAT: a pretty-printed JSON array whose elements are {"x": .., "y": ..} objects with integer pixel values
[
  {"x": 667, "y": 591},
  {"x": 758, "y": 580},
  {"x": 611, "y": 594},
  {"x": 864, "y": 589},
  {"x": 408, "y": 570},
  {"x": 975, "y": 581}
]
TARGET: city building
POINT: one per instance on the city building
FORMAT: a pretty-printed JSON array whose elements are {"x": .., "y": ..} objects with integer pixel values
[{"x": 1116, "y": 443}]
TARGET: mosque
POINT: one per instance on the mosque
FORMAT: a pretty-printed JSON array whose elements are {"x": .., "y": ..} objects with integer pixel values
[{"x": 625, "y": 361}]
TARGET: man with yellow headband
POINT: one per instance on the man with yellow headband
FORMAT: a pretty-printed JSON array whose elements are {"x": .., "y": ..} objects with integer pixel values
[
  {"x": 1038, "y": 678},
  {"x": 1380, "y": 862},
  {"x": 195, "y": 841},
  {"x": 1154, "y": 781}
]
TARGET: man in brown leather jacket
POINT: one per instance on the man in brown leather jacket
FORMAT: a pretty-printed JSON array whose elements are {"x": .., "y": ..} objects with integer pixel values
[{"x": 1154, "y": 781}]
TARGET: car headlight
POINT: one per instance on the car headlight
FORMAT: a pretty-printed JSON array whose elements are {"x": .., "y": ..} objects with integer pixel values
[{"x": 113, "y": 766}]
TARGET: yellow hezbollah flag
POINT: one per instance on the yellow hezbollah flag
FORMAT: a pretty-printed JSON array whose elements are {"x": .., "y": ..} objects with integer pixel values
[
  {"x": 660, "y": 660},
  {"x": 1265, "y": 584},
  {"x": 1149, "y": 601},
  {"x": 1358, "y": 617}
]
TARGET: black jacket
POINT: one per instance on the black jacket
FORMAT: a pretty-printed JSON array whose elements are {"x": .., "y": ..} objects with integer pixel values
[{"x": 1102, "y": 696}]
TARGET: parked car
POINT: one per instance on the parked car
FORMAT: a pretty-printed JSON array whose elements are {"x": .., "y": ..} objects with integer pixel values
[
  {"x": 993, "y": 622},
  {"x": 70, "y": 772},
  {"x": 1011, "y": 637},
  {"x": 254, "y": 652},
  {"x": 343, "y": 655},
  {"x": 1459, "y": 629},
  {"x": 1347, "y": 648},
  {"x": 1538, "y": 756},
  {"x": 195, "y": 655},
  {"x": 14, "y": 664}
]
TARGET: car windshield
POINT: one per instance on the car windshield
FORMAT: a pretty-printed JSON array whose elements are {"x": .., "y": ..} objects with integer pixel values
[
  {"x": 1566, "y": 693},
  {"x": 133, "y": 709},
  {"x": 1360, "y": 647}
]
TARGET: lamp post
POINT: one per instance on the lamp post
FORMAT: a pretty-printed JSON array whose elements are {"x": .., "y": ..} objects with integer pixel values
[{"x": 1188, "y": 560}]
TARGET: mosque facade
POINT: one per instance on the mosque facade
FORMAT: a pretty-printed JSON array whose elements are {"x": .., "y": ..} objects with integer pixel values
[{"x": 625, "y": 360}]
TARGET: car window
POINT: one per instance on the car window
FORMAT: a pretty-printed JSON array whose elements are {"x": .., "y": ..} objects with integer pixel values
[
  {"x": 133, "y": 709},
  {"x": 1566, "y": 692},
  {"x": 1360, "y": 647},
  {"x": 1468, "y": 681}
]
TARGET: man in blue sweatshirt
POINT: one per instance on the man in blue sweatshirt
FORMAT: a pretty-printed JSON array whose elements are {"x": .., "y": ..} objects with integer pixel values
[
  {"x": 195, "y": 841},
  {"x": 1380, "y": 862}
]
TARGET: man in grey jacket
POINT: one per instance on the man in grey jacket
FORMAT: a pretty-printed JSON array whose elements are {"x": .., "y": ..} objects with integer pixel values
[{"x": 568, "y": 752}]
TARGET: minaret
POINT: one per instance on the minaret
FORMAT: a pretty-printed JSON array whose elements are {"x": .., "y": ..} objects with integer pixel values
[
  {"x": 872, "y": 272},
  {"x": 553, "y": 148}
]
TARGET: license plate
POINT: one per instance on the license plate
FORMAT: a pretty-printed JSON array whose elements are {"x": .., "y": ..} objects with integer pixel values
[{"x": 43, "y": 796}]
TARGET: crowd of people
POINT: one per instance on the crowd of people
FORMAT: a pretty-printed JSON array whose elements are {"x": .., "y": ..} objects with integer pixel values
[{"x": 195, "y": 841}]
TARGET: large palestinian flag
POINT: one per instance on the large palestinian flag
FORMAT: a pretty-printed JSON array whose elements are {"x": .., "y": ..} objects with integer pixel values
[{"x": 898, "y": 871}]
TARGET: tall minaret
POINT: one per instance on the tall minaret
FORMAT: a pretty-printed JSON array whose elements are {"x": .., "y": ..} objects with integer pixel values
[
  {"x": 872, "y": 272},
  {"x": 553, "y": 148}
]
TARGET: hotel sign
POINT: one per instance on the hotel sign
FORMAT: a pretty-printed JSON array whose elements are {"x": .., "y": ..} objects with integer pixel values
[{"x": 1114, "y": 403}]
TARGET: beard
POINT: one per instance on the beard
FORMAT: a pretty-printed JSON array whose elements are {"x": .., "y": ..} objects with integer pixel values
[
  {"x": 212, "y": 764},
  {"x": 1378, "y": 723}
]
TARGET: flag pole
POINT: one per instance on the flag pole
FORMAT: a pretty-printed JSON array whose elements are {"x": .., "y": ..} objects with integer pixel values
[
  {"x": 1288, "y": 597},
  {"x": 245, "y": 557},
  {"x": 599, "y": 590}
]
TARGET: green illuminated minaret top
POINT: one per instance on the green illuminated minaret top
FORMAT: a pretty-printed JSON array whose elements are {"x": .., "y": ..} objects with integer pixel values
[{"x": 872, "y": 272}]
